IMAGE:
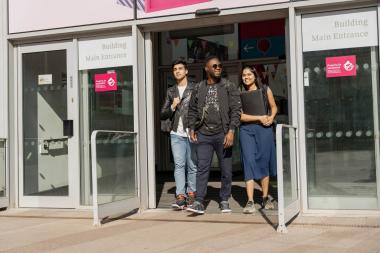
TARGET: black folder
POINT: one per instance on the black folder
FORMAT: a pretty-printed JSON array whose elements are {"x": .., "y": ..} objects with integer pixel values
[{"x": 253, "y": 102}]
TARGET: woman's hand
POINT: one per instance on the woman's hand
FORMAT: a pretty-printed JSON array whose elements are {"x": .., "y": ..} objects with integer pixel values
[
  {"x": 264, "y": 119},
  {"x": 269, "y": 121}
]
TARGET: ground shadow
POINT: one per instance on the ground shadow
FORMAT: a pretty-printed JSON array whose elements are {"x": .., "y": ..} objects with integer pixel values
[
  {"x": 270, "y": 219},
  {"x": 239, "y": 194},
  {"x": 122, "y": 216}
]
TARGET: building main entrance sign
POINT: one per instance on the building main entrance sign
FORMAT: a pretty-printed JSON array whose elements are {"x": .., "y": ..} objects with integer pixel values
[
  {"x": 105, "y": 53},
  {"x": 344, "y": 29}
]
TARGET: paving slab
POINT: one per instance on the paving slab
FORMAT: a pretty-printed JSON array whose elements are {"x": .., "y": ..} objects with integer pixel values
[{"x": 61, "y": 231}]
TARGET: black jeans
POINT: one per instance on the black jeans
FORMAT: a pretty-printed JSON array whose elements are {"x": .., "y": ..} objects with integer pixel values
[{"x": 206, "y": 146}]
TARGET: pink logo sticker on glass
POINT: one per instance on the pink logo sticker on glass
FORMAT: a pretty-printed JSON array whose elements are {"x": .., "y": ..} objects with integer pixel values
[
  {"x": 105, "y": 82},
  {"x": 158, "y": 5},
  {"x": 341, "y": 66}
]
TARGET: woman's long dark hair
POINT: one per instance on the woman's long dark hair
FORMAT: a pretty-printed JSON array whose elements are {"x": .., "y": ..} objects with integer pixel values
[{"x": 255, "y": 73}]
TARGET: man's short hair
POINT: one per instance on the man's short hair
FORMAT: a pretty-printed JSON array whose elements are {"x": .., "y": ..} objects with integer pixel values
[
  {"x": 211, "y": 57},
  {"x": 179, "y": 61}
]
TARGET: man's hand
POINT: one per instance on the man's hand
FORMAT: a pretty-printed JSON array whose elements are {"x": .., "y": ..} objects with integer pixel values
[
  {"x": 176, "y": 101},
  {"x": 228, "y": 139},
  {"x": 193, "y": 136}
]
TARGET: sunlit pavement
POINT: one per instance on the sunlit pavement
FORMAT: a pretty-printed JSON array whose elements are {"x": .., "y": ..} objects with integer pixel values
[{"x": 41, "y": 230}]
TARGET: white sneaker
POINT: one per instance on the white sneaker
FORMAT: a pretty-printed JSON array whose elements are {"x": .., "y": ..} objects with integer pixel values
[{"x": 249, "y": 208}]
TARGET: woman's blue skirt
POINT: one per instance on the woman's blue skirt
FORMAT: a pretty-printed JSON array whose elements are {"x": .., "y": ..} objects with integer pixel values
[{"x": 257, "y": 151}]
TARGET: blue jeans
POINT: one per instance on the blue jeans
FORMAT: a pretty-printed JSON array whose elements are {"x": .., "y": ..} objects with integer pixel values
[{"x": 184, "y": 161}]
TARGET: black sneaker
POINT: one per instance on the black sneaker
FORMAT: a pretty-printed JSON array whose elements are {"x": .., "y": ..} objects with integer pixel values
[
  {"x": 225, "y": 207},
  {"x": 197, "y": 208},
  {"x": 190, "y": 199},
  {"x": 179, "y": 203}
]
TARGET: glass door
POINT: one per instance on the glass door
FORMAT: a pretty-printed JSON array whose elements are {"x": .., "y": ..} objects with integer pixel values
[
  {"x": 287, "y": 175},
  {"x": 48, "y": 127}
]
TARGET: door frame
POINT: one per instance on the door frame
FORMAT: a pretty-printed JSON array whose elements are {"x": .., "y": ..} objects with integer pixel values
[
  {"x": 151, "y": 60},
  {"x": 72, "y": 200},
  {"x": 4, "y": 201}
]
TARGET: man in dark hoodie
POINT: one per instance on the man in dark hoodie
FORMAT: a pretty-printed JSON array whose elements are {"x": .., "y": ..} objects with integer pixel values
[
  {"x": 175, "y": 108},
  {"x": 214, "y": 115}
]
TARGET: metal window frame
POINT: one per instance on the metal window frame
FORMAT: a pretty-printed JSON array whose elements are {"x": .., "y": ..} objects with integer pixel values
[
  {"x": 311, "y": 9},
  {"x": 71, "y": 201},
  {"x": 83, "y": 110}
]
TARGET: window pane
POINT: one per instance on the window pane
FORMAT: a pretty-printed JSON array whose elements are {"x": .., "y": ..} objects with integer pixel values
[
  {"x": 107, "y": 110},
  {"x": 45, "y": 149},
  {"x": 340, "y": 132}
]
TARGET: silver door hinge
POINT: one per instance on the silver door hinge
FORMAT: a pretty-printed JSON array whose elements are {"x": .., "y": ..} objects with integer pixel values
[{"x": 71, "y": 81}]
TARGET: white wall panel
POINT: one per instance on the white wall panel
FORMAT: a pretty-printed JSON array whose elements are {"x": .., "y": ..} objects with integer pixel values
[
  {"x": 27, "y": 15},
  {"x": 3, "y": 72}
]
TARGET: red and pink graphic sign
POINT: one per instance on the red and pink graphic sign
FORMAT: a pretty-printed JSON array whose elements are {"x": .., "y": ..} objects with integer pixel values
[
  {"x": 341, "y": 66},
  {"x": 158, "y": 5},
  {"x": 105, "y": 82}
]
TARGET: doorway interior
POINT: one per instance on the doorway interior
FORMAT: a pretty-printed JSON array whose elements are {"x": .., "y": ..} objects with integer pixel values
[{"x": 261, "y": 44}]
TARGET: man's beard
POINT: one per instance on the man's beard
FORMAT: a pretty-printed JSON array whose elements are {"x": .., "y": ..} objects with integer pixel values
[{"x": 216, "y": 78}]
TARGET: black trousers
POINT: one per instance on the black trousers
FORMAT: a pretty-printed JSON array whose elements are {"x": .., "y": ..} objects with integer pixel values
[{"x": 206, "y": 146}]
